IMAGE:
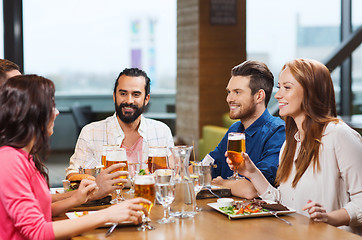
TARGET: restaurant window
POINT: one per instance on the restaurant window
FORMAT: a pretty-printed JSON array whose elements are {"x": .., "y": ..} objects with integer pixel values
[
  {"x": 283, "y": 30},
  {"x": 83, "y": 45},
  {"x": 357, "y": 63}
]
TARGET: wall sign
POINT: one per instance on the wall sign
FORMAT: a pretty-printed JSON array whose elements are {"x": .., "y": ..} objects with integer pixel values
[{"x": 223, "y": 12}]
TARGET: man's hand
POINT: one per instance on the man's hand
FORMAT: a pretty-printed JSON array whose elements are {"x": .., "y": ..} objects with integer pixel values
[
  {"x": 107, "y": 181},
  {"x": 219, "y": 181},
  {"x": 240, "y": 188}
]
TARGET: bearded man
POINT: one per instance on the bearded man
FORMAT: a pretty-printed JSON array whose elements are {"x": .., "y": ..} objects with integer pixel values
[
  {"x": 248, "y": 94},
  {"x": 127, "y": 128}
]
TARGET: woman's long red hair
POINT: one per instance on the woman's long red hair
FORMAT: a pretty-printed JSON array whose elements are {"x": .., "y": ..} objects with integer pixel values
[{"x": 319, "y": 107}]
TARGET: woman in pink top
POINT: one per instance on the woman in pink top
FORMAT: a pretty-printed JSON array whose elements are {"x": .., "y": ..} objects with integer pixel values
[{"x": 27, "y": 114}]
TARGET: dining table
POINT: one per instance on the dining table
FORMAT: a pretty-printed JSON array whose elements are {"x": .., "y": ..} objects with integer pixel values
[{"x": 211, "y": 224}]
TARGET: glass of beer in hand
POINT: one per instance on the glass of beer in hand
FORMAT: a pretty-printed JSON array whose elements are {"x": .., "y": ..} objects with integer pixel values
[
  {"x": 144, "y": 186},
  {"x": 236, "y": 145},
  {"x": 157, "y": 158},
  {"x": 114, "y": 156},
  {"x": 105, "y": 148}
]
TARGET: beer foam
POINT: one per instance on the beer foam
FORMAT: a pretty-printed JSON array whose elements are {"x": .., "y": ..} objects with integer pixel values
[
  {"x": 236, "y": 137},
  {"x": 144, "y": 180},
  {"x": 157, "y": 152},
  {"x": 117, "y": 155}
]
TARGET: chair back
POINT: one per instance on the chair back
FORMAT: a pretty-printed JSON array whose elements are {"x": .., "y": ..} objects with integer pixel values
[{"x": 82, "y": 116}]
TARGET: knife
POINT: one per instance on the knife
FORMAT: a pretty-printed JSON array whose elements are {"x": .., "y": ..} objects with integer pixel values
[{"x": 110, "y": 230}]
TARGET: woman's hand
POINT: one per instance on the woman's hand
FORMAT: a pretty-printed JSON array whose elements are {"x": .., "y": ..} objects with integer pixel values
[
  {"x": 247, "y": 168},
  {"x": 129, "y": 210},
  {"x": 86, "y": 189},
  {"x": 316, "y": 211}
]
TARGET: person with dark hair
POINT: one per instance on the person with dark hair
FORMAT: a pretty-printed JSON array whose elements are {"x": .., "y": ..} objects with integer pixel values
[
  {"x": 248, "y": 94},
  {"x": 27, "y": 114},
  {"x": 8, "y": 69},
  {"x": 320, "y": 162},
  {"x": 134, "y": 72},
  {"x": 127, "y": 128}
]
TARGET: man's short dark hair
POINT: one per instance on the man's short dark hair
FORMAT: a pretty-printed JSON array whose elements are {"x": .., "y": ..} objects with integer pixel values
[
  {"x": 260, "y": 77},
  {"x": 6, "y": 66},
  {"x": 134, "y": 72}
]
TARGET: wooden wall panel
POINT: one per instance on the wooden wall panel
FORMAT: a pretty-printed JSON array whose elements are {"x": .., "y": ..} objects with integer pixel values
[
  {"x": 187, "y": 95},
  {"x": 221, "y": 48},
  {"x": 205, "y": 55}
]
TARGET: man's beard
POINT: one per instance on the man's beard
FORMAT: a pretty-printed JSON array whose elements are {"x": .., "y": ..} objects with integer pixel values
[
  {"x": 246, "y": 113},
  {"x": 129, "y": 117}
]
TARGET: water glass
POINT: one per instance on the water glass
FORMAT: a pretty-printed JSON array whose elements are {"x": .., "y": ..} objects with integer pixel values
[
  {"x": 165, "y": 192},
  {"x": 198, "y": 179},
  {"x": 134, "y": 165}
]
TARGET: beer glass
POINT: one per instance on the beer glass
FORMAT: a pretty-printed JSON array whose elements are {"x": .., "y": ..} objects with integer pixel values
[
  {"x": 114, "y": 156},
  {"x": 134, "y": 164},
  {"x": 144, "y": 186},
  {"x": 165, "y": 192},
  {"x": 236, "y": 145},
  {"x": 104, "y": 152},
  {"x": 157, "y": 158}
]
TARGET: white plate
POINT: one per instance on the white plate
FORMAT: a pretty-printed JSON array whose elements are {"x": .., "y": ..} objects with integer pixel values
[
  {"x": 72, "y": 215},
  {"x": 56, "y": 190},
  {"x": 259, "y": 214}
]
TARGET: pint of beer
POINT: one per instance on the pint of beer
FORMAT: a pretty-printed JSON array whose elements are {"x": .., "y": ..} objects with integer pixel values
[
  {"x": 105, "y": 148},
  {"x": 145, "y": 188},
  {"x": 157, "y": 158},
  {"x": 103, "y": 160},
  {"x": 114, "y": 156},
  {"x": 236, "y": 145}
]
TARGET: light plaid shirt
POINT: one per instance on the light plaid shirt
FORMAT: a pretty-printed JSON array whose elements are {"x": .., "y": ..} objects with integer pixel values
[{"x": 88, "y": 150}]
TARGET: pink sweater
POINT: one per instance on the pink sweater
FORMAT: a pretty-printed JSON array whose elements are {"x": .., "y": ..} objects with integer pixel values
[{"x": 25, "y": 201}]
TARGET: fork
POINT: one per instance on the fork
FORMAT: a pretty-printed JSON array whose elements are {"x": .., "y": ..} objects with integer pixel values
[
  {"x": 275, "y": 214},
  {"x": 209, "y": 188}
]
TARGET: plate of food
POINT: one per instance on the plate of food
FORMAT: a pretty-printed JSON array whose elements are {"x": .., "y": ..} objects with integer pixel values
[
  {"x": 77, "y": 214},
  {"x": 251, "y": 208}
]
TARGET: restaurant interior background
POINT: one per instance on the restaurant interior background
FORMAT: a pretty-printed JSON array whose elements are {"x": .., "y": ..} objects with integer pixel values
[{"x": 187, "y": 47}]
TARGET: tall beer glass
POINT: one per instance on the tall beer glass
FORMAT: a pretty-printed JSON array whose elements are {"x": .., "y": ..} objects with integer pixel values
[
  {"x": 144, "y": 186},
  {"x": 104, "y": 152},
  {"x": 157, "y": 158},
  {"x": 114, "y": 156},
  {"x": 236, "y": 145}
]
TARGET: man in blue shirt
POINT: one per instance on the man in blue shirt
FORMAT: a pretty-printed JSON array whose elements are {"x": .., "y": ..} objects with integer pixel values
[{"x": 248, "y": 94}]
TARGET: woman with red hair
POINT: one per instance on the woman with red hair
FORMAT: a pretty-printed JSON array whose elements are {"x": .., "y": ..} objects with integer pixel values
[{"x": 320, "y": 163}]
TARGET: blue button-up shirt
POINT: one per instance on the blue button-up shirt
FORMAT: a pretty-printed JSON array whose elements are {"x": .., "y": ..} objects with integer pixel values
[{"x": 264, "y": 138}]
